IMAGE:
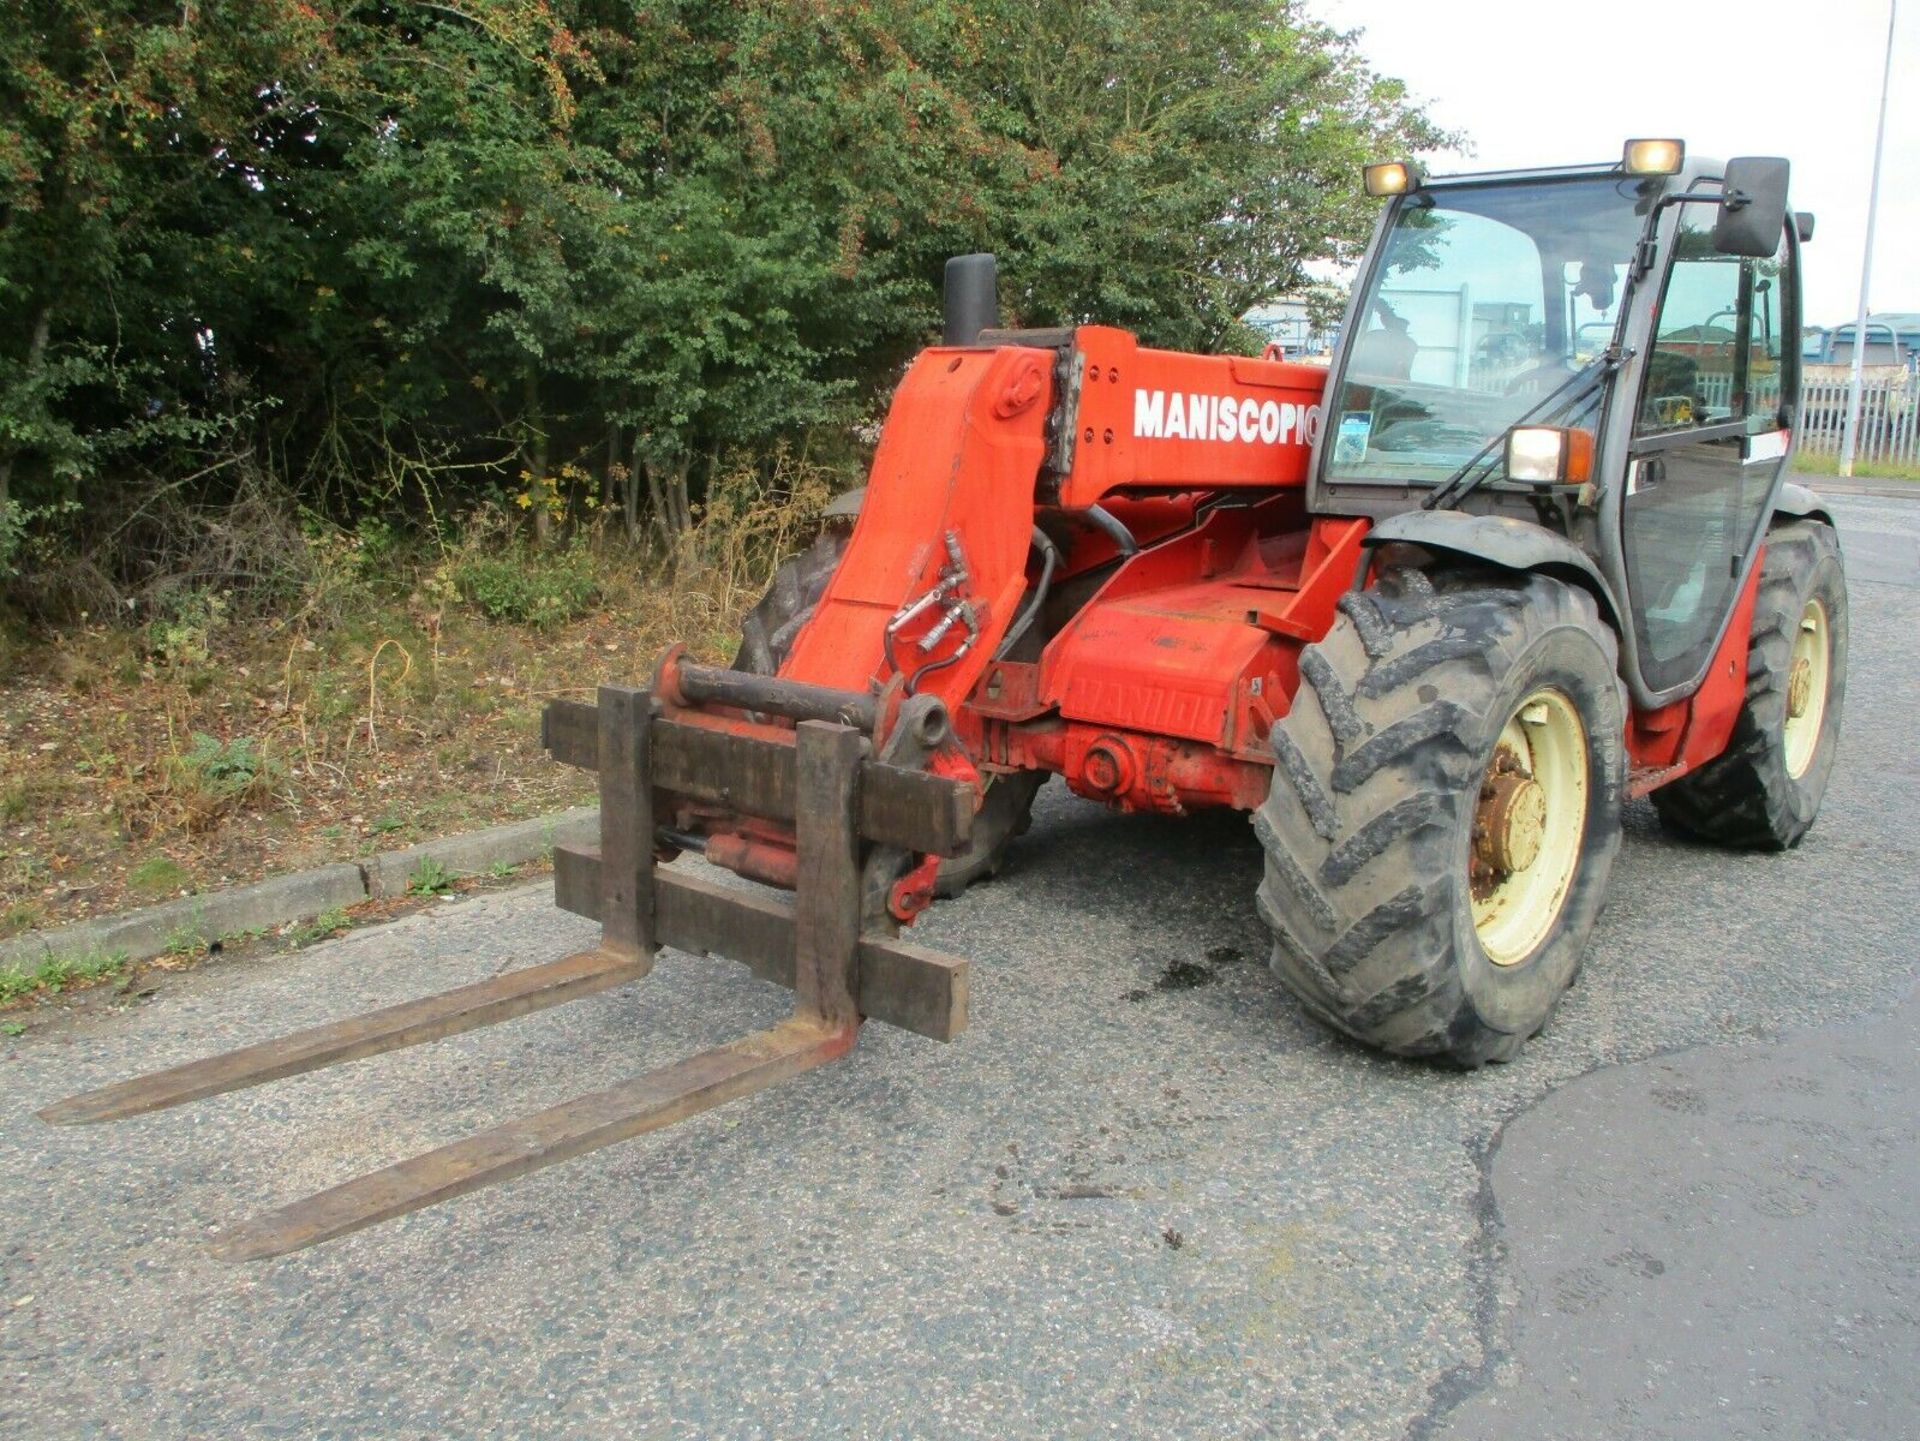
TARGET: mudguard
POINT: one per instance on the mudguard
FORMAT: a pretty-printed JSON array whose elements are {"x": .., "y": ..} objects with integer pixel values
[
  {"x": 1801, "y": 503},
  {"x": 1499, "y": 540}
]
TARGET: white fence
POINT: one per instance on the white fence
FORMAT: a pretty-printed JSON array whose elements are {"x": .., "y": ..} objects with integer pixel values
[{"x": 1889, "y": 428}]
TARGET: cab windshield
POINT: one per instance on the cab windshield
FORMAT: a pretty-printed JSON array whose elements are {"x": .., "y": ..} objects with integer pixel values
[{"x": 1484, "y": 300}]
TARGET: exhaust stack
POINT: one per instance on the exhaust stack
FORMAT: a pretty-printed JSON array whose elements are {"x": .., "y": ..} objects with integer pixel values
[{"x": 972, "y": 297}]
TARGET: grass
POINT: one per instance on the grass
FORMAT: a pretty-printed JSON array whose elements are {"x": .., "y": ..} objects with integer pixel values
[
  {"x": 214, "y": 745},
  {"x": 158, "y": 875},
  {"x": 57, "y": 973},
  {"x": 1819, "y": 462},
  {"x": 323, "y": 926}
]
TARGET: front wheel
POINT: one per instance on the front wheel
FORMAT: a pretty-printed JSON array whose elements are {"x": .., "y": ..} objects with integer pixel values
[{"x": 1445, "y": 811}]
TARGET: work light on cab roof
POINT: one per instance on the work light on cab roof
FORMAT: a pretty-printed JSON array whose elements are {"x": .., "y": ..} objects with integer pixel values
[
  {"x": 1392, "y": 177},
  {"x": 1653, "y": 157}
]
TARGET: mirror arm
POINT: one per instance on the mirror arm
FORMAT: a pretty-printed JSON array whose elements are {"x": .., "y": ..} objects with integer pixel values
[{"x": 1645, "y": 251}]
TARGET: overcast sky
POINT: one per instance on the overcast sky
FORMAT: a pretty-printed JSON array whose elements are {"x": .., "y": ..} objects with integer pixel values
[{"x": 1541, "y": 82}]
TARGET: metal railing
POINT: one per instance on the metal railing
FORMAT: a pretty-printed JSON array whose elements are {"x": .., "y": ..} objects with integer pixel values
[{"x": 1889, "y": 427}]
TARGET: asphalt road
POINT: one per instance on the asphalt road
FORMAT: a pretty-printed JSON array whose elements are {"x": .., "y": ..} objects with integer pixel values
[{"x": 1142, "y": 1196}]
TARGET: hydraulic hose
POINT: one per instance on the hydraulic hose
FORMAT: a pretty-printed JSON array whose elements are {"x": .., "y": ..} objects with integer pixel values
[
  {"x": 1110, "y": 524},
  {"x": 1049, "y": 558}
]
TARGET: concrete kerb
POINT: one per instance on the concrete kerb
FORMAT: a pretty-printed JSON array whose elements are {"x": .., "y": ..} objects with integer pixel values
[
  {"x": 472, "y": 854},
  {"x": 1871, "y": 488},
  {"x": 286, "y": 900}
]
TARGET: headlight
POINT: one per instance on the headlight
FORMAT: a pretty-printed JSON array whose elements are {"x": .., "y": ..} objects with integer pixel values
[{"x": 1548, "y": 455}]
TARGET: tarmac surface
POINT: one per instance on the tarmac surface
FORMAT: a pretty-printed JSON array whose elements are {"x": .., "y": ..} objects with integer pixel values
[{"x": 1142, "y": 1196}]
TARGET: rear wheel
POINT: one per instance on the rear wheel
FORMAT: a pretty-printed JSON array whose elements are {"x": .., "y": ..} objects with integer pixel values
[
  {"x": 1765, "y": 789},
  {"x": 1445, "y": 811},
  {"x": 767, "y": 635}
]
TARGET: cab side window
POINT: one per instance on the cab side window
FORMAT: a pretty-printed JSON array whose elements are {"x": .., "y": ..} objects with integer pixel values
[{"x": 1693, "y": 375}]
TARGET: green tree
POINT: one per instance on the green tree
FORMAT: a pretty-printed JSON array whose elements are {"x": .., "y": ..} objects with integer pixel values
[
  {"x": 1187, "y": 160},
  {"x": 405, "y": 254}
]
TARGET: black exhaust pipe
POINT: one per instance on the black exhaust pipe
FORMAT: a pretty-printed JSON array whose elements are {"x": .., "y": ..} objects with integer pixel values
[{"x": 972, "y": 298}]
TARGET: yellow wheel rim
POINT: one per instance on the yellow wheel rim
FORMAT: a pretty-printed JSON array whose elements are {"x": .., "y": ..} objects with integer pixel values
[
  {"x": 1807, "y": 688},
  {"x": 1528, "y": 826}
]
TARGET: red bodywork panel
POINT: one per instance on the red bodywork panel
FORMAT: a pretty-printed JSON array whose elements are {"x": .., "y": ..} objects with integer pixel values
[
  {"x": 1664, "y": 744},
  {"x": 1162, "y": 419},
  {"x": 1159, "y": 692},
  {"x": 960, "y": 455}
]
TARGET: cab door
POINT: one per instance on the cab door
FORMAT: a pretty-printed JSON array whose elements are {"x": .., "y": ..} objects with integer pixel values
[{"x": 1709, "y": 442}]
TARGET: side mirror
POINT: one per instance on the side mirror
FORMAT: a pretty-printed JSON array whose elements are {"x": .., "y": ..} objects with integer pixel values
[
  {"x": 1753, "y": 206},
  {"x": 1803, "y": 225}
]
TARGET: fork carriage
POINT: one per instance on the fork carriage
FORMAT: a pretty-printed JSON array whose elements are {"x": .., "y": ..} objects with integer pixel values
[{"x": 800, "y": 765}]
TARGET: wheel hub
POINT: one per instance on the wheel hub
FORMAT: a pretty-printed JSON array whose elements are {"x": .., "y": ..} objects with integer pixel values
[
  {"x": 1509, "y": 824},
  {"x": 1799, "y": 686},
  {"x": 1807, "y": 680},
  {"x": 1528, "y": 822}
]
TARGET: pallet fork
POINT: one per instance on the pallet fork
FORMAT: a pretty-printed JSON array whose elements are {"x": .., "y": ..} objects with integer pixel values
[{"x": 816, "y": 777}]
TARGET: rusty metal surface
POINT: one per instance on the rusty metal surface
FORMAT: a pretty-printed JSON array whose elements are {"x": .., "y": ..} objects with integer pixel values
[
  {"x": 388, "y": 1029},
  {"x": 559, "y": 1133},
  {"x": 795, "y": 700},
  {"x": 751, "y": 769},
  {"x": 914, "y": 987},
  {"x": 814, "y": 944}
]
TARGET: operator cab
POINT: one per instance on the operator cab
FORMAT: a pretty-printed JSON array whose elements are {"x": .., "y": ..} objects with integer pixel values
[{"x": 1608, "y": 351}]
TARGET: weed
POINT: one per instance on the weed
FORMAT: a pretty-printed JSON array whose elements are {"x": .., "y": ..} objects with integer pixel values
[
  {"x": 158, "y": 874},
  {"x": 183, "y": 942},
  {"x": 500, "y": 870},
  {"x": 55, "y": 973},
  {"x": 385, "y": 824},
  {"x": 539, "y": 588},
  {"x": 213, "y": 778},
  {"x": 224, "y": 767},
  {"x": 429, "y": 878},
  {"x": 236, "y": 938},
  {"x": 27, "y": 868},
  {"x": 183, "y": 636},
  {"x": 13, "y": 1028},
  {"x": 322, "y": 926},
  {"x": 32, "y": 796}
]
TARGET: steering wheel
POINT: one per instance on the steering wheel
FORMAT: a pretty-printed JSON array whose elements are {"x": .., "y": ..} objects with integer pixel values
[{"x": 1540, "y": 379}]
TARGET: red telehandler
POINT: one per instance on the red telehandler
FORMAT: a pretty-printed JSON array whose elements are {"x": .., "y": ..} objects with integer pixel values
[{"x": 1430, "y": 616}]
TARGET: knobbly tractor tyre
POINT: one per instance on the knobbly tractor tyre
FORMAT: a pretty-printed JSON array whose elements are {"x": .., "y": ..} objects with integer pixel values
[
  {"x": 1445, "y": 811},
  {"x": 768, "y": 630},
  {"x": 1764, "y": 790},
  {"x": 767, "y": 635}
]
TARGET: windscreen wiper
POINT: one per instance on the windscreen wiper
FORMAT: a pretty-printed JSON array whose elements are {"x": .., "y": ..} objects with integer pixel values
[{"x": 1564, "y": 396}]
